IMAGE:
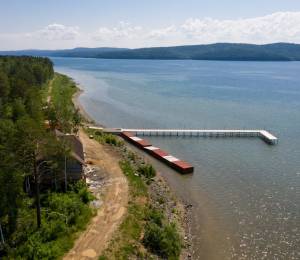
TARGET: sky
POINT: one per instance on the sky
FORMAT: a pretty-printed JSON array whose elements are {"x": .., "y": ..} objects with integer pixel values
[{"x": 60, "y": 24}]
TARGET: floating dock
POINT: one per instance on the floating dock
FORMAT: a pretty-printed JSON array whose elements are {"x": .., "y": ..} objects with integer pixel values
[
  {"x": 263, "y": 134},
  {"x": 173, "y": 162},
  {"x": 132, "y": 135}
]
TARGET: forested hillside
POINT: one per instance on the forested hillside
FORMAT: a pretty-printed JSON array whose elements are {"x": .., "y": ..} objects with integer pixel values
[
  {"x": 76, "y": 52},
  {"x": 32, "y": 225},
  {"x": 218, "y": 51}
]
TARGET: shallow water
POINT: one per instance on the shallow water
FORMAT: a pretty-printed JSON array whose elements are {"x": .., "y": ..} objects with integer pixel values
[{"x": 245, "y": 193}]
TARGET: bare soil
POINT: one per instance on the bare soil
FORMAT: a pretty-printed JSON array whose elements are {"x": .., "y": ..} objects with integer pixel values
[{"x": 110, "y": 187}]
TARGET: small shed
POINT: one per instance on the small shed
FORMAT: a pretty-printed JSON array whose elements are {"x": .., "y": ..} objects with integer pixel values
[
  {"x": 72, "y": 166},
  {"x": 74, "y": 162}
]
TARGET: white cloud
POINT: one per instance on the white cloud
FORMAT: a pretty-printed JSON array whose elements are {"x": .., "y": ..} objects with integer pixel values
[
  {"x": 56, "y": 32},
  {"x": 276, "y": 27},
  {"x": 163, "y": 32},
  {"x": 282, "y": 26},
  {"x": 123, "y": 30}
]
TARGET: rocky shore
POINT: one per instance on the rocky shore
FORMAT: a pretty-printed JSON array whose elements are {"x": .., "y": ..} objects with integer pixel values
[{"x": 163, "y": 198}]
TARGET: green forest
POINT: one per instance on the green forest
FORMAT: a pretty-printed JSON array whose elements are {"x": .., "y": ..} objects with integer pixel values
[{"x": 36, "y": 223}]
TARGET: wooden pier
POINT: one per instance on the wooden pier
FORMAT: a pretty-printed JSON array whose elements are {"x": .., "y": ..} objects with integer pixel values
[{"x": 262, "y": 134}]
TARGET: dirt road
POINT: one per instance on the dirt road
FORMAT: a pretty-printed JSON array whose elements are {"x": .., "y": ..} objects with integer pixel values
[{"x": 113, "y": 194}]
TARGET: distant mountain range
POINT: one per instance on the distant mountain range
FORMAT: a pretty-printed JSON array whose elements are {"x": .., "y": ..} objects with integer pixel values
[
  {"x": 77, "y": 52},
  {"x": 218, "y": 51}
]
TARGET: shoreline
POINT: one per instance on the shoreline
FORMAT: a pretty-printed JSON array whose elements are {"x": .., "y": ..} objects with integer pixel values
[
  {"x": 78, "y": 106},
  {"x": 162, "y": 187}
]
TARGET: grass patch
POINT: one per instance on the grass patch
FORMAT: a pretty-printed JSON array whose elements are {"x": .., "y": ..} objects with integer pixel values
[
  {"x": 63, "y": 215},
  {"x": 63, "y": 89},
  {"x": 138, "y": 187},
  {"x": 126, "y": 243},
  {"x": 105, "y": 138},
  {"x": 147, "y": 171},
  {"x": 162, "y": 240},
  {"x": 61, "y": 112},
  {"x": 145, "y": 233}
]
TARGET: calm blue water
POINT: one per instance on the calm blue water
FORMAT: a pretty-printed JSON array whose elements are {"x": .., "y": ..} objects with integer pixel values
[{"x": 245, "y": 194}]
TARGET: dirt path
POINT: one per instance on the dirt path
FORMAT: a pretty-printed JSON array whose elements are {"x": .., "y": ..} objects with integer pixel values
[
  {"x": 114, "y": 199},
  {"x": 50, "y": 90}
]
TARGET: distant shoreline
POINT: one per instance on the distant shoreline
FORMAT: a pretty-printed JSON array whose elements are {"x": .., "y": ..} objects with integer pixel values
[{"x": 275, "y": 52}]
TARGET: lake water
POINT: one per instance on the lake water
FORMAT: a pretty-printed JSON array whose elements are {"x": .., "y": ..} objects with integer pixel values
[{"x": 245, "y": 193}]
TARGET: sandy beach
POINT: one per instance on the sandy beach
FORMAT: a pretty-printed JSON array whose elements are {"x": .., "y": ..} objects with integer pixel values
[{"x": 78, "y": 106}]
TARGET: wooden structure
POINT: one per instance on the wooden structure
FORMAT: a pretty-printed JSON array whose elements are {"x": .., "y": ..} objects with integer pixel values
[{"x": 262, "y": 134}]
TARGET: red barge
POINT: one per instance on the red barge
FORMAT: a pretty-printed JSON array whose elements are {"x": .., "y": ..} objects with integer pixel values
[{"x": 173, "y": 162}]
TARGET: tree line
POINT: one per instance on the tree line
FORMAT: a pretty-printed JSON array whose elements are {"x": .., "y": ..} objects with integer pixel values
[
  {"x": 24, "y": 141},
  {"x": 21, "y": 121}
]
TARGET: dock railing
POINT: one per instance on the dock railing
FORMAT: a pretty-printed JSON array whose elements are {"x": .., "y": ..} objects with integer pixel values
[{"x": 262, "y": 134}]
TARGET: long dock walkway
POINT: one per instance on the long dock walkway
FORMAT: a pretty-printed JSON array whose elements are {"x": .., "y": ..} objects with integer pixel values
[{"x": 263, "y": 134}]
